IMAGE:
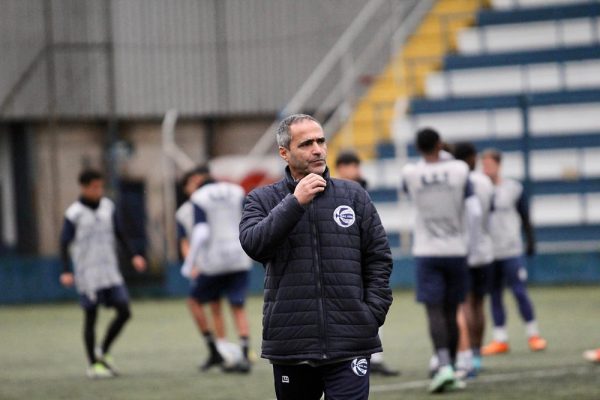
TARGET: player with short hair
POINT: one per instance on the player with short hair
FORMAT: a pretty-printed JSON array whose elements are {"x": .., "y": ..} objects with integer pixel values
[
  {"x": 216, "y": 262},
  {"x": 471, "y": 314},
  {"x": 88, "y": 241},
  {"x": 510, "y": 214},
  {"x": 443, "y": 198},
  {"x": 184, "y": 216},
  {"x": 347, "y": 165}
]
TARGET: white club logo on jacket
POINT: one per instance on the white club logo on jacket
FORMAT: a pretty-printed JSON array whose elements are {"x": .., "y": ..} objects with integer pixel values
[{"x": 344, "y": 216}]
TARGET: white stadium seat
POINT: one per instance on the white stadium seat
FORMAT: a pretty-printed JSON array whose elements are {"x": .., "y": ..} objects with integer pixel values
[
  {"x": 511, "y": 4},
  {"x": 514, "y": 79},
  {"x": 528, "y": 36}
]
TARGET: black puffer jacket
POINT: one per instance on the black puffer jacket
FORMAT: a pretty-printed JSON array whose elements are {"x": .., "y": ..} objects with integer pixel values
[{"x": 327, "y": 282}]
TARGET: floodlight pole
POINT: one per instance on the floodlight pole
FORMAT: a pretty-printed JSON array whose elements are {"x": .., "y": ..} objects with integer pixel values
[{"x": 168, "y": 133}]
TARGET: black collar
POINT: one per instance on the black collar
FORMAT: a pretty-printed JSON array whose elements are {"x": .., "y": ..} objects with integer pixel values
[{"x": 89, "y": 203}]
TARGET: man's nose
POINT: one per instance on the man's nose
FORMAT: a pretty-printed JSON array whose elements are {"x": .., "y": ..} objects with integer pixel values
[{"x": 316, "y": 148}]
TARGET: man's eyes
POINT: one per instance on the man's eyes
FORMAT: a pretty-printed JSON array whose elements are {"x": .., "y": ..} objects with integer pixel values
[{"x": 310, "y": 142}]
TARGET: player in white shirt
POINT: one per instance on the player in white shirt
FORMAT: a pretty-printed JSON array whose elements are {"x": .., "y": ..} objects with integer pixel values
[
  {"x": 471, "y": 314},
  {"x": 216, "y": 262},
  {"x": 509, "y": 216},
  {"x": 444, "y": 202},
  {"x": 185, "y": 225},
  {"x": 89, "y": 241}
]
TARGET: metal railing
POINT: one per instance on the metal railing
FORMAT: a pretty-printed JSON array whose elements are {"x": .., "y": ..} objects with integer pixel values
[
  {"x": 407, "y": 73},
  {"x": 364, "y": 49}
]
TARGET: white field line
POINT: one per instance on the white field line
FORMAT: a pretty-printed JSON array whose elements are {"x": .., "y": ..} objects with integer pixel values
[
  {"x": 483, "y": 379},
  {"x": 505, "y": 377}
]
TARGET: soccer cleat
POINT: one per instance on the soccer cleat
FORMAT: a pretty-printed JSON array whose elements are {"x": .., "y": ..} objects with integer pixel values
[
  {"x": 457, "y": 384},
  {"x": 99, "y": 371},
  {"x": 536, "y": 343},
  {"x": 495, "y": 347},
  {"x": 379, "y": 368},
  {"x": 477, "y": 365},
  {"x": 242, "y": 367},
  {"x": 592, "y": 355},
  {"x": 443, "y": 379},
  {"x": 109, "y": 363},
  {"x": 106, "y": 360},
  {"x": 215, "y": 359},
  {"x": 463, "y": 374}
]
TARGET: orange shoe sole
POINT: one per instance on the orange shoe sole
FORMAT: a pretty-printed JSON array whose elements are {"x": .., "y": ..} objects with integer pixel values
[{"x": 495, "y": 348}]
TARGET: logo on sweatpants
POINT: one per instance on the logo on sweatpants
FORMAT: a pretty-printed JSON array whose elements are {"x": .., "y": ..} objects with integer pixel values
[
  {"x": 285, "y": 379},
  {"x": 359, "y": 366},
  {"x": 344, "y": 216},
  {"x": 522, "y": 274}
]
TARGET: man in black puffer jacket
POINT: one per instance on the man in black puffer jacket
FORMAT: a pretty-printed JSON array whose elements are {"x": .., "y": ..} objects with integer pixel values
[{"x": 327, "y": 262}]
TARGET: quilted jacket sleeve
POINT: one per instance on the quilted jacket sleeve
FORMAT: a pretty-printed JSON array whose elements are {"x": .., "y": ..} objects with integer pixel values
[
  {"x": 262, "y": 230},
  {"x": 377, "y": 263}
]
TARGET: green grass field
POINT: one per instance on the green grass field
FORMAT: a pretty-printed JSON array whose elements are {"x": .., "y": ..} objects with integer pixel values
[{"x": 41, "y": 354}]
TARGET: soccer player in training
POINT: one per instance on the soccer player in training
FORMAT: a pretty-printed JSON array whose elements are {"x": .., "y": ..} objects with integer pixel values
[
  {"x": 88, "y": 239},
  {"x": 480, "y": 256},
  {"x": 216, "y": 262},
  {"x": 347, "y": 165},
  {"x": 185, "y": 225},
  {"x": 442, "y": 194},
  {"x": 510, "y": 214}
]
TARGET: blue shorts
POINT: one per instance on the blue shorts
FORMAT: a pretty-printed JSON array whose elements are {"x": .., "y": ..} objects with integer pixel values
[
  {"x": 479, "y": 278},
  {"x": 108, "y": 297},
  {"x": 441, "y": 279},
  {"x": 507, "y": 271},
  {"x": 209, "y": 288}
]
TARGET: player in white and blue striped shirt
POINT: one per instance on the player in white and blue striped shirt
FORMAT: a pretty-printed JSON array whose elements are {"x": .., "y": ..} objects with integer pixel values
[{"x": 509, "y": 217}]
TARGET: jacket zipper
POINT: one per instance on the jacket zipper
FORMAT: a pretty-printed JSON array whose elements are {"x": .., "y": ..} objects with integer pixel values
[{"x": 319, "y": 280}]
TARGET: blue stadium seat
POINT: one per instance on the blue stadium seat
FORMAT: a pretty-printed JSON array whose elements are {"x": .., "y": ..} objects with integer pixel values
[
  {"x": 423, "y": 106},
  {"x": 536, "y": 14},
  {"x": 457, "y": 61}
]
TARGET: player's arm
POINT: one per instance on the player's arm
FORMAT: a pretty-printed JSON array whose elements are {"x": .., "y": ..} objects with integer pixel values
[
  {"x": 200, "y": 235},
  {"x": 377, "y": 262},
  {"x": 404, "y": 183},
  {"x": 137, "y": 260},
  {"x": 523, "y": 210},
  {"x": 66, "y": 237},
  {"x": 474, "y": 215},
  {"x": 262, "y": 231},
  {"x": 182, "y": 240}
]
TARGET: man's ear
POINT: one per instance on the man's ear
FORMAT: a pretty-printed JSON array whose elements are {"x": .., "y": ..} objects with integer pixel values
[{"x": 283, "y": 153}]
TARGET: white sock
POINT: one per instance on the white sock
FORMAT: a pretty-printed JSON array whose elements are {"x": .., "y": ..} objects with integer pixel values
[
  {"x": 531, "y": 329},
  {"x": 500, "y": 334},
  {"x": 434, "y": 363},
  {"x": 464, "y": 360}
]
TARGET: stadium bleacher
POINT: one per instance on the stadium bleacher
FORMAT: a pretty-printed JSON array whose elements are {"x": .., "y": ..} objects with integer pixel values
[{"x": 524, "y": 79}]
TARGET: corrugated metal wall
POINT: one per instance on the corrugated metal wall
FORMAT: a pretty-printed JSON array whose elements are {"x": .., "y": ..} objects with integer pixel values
[
  {"x": 21, "y": 50},
  {"x": 203, "y": 57}
]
